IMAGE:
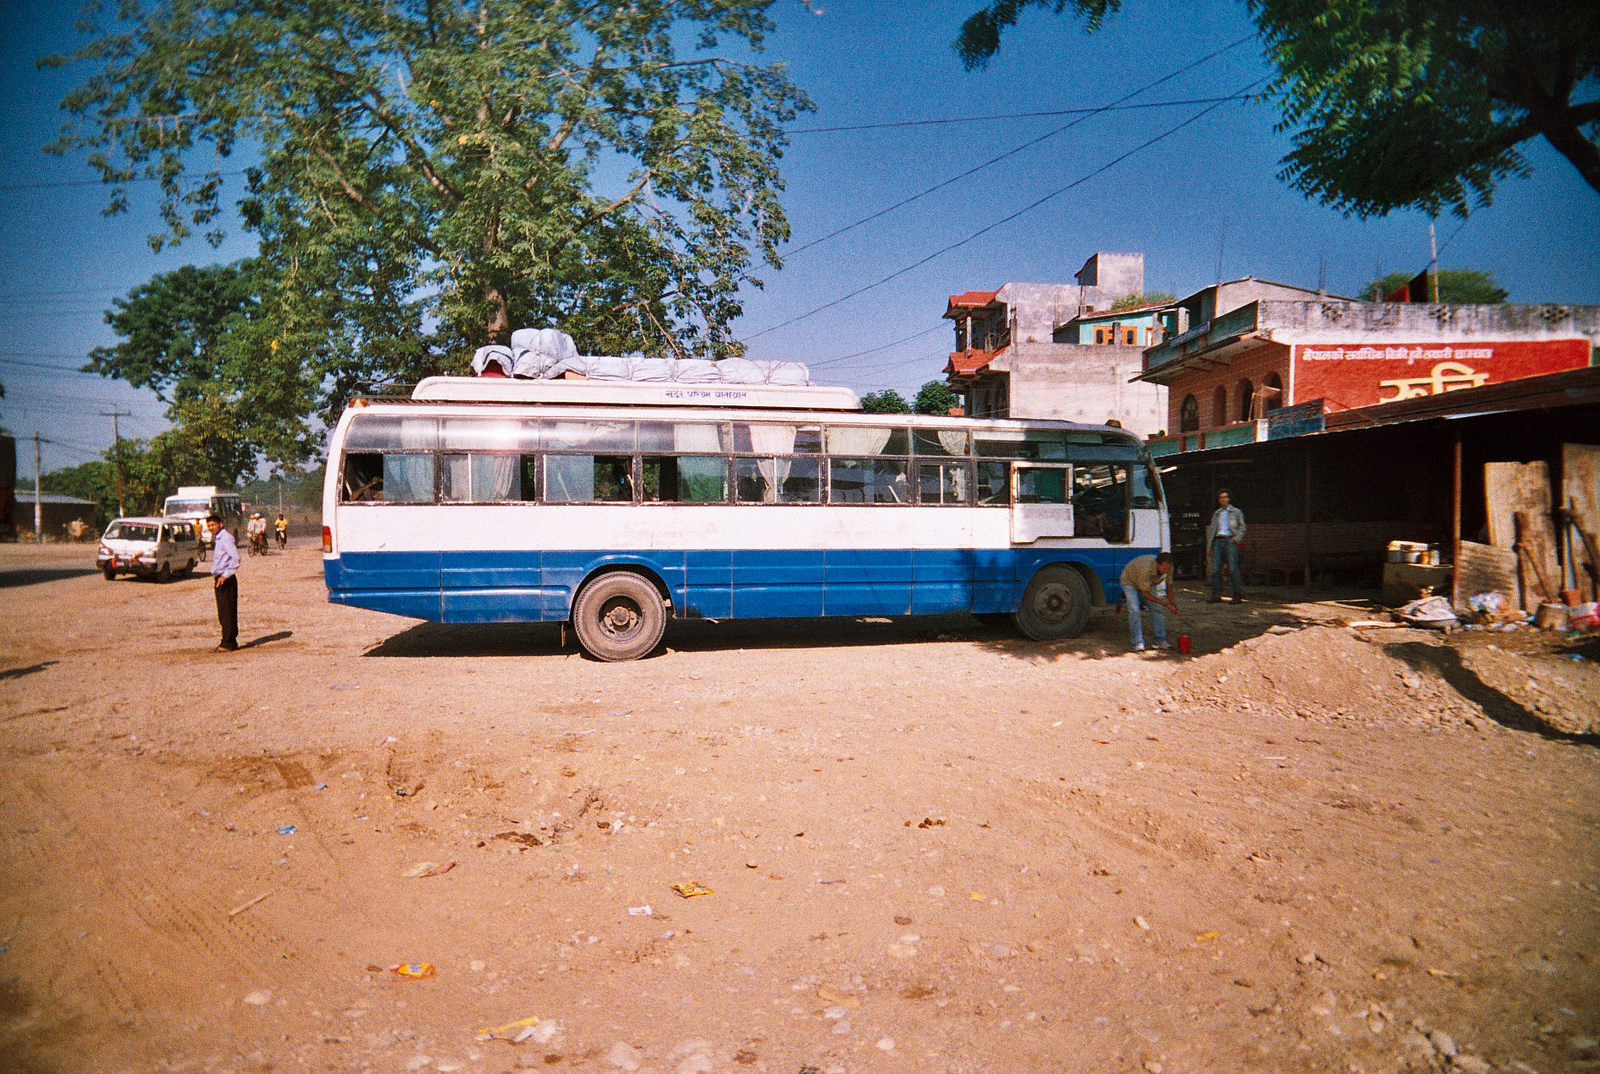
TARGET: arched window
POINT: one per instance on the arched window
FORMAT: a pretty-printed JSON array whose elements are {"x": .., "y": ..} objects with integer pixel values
[
  {"x": 1246, "y": 394},
  {"x": 1274, "y": 397},
  {"x": 1189, "y": 415},
  {"x": 1219, "y": 406}
]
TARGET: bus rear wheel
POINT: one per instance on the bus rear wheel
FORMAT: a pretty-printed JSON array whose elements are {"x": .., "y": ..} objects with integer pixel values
[
  {"x": 619, "y": 616},
  {"x": 1055, "y": 605}
]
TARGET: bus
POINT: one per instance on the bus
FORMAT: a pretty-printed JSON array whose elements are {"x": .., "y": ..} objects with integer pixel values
[
  {"x": 196, "y": 502},
  {"x": 615, "y": 506}
]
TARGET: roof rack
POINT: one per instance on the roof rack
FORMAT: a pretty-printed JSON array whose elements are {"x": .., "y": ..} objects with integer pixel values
[{"x": 633, "y": 393}]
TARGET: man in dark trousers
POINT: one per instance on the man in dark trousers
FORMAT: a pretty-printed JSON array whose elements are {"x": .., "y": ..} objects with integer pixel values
[
  {"x": 225, "y": 583},
  {"x": 1222, "y": 546}
]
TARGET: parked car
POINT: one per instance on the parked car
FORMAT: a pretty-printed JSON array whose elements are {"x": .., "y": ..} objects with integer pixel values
[{"x": 149, "y": 547}]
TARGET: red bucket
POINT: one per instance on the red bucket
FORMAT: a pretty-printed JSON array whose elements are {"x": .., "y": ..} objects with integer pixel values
[{"x": 1183, "y": 644}]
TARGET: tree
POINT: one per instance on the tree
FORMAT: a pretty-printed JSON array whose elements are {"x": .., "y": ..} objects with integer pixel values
[
  {"x": 432, "y": 175},
  {"x": 1404, "y": 103},
  {"x": 1467, "y": 287},
  {"x": 1149, "y": 298},
  {"x": 935, "y": 397},
  {"x": 887, "y": 401},
  {"x": 203, "y": 339},
  {"x": 93, "y": 480}
]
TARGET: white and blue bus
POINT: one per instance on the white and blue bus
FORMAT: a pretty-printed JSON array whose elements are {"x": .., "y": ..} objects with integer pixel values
[{"x": 616, "y": 505}]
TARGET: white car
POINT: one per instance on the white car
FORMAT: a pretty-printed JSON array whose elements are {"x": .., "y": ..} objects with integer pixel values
[{"x": 149, "y": 547}]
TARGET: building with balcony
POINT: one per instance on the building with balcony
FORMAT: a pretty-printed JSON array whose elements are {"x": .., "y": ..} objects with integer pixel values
[
  {"x": 1339, "y": 426},
  {"x": 1058, "y": 350},
  {"x": 1226, "y": 372}
]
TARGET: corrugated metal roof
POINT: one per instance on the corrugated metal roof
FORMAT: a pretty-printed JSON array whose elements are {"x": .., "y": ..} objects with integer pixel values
[{"x": 25, "y": 496}]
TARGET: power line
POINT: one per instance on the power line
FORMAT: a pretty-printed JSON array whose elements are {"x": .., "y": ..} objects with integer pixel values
[
  {"x": 45, "y": 184},
  {"x": 1003, "y": 220},
  {"x": 1020, "y": 115},
  {"x": 7, "y": 296},
  {"x": 874, "y": 350},
  {"x": 1087, "y": 114},
  {"x": 44, "y": 365}
]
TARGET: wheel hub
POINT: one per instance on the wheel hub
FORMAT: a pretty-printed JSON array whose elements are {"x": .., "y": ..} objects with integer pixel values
[{"x": 620, "y": 618}]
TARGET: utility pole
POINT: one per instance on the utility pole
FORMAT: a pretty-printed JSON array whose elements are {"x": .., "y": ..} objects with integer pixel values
[
  {"x": 116, "y": 437},
  {"x": 38, "y": 504},
  {"x": 1433, "y": 265}
]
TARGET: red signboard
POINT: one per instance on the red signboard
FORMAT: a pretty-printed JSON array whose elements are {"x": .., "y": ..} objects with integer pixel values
[{"x": 1359, "y": 375}]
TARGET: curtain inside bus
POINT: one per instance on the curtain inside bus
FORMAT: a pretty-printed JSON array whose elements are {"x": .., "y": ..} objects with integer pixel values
[{"x": 773, "y": 440}]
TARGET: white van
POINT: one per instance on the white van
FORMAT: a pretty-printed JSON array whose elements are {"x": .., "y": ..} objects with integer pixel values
[
  {"x": 148, "y": 547},
  {"x": 198, "y": 501}
]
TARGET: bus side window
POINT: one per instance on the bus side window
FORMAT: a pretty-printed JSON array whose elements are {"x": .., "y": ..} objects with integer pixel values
[
  {"x": 750, "y": 483},
  {"x": 408, "y": 478},
  {"x": 994, "y": 482},
  {"x": 588, "y": 479},
  {"x": 363, "y": 478},
  {"x": 1145, "y": 486},
  {"x": 943, "y": 483},
  {"x": 1042, "y": 485},
  {"x": 685, "y": 479},
  {"x": 1100, "y": 493}
]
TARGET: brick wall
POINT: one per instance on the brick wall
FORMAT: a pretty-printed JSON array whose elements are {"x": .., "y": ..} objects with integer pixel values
[
  {"x": 1202, "y": 384},
  {"x": 1283, "y": 545}
]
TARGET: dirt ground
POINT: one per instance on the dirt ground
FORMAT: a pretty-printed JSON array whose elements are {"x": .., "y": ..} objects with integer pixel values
[{"x": 929, "y": 846}]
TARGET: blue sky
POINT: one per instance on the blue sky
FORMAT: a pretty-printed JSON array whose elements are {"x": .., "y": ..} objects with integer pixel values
[{"x": 1204, "y": 190}]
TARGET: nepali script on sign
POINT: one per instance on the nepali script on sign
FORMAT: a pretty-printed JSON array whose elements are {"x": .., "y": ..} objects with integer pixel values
[{"x": 1445, "y": 377}]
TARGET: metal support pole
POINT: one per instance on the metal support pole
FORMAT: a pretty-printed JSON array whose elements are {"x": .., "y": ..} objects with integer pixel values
[
  {"x": 1307, "y": 457},
  {"x": 116, "y": 437},
  {"x": 1455, "y": 527},
  {"x": 38, "y": 504}
]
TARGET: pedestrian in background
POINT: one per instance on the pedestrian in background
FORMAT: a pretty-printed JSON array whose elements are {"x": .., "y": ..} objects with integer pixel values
[
  {"x": 225, "y": 583},
  {"x": 1148, "y": 580},
  {"x": 1222, "y": 547}
]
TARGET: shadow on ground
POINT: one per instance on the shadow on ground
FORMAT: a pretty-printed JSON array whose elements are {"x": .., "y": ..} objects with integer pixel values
[
  {"x": 17, "y": 673},
  {"x": 1212, "y": 627},
  {"x": 268, "y": 639},
  {"x": 1445, "y": 662},
  {"x": 690, "y": 635},
  {"x": 40, "y": 575}
]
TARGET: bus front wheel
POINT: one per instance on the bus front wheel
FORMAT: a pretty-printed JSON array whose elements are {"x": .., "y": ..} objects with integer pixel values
[
  {"x": 619, "y": 616},
  {"x": 1055, "y": 605}
]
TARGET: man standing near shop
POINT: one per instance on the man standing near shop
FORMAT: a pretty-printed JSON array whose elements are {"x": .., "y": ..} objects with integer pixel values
[
  {"x": 1222, "y": 546},
  {"x": 225, "y": 583}
]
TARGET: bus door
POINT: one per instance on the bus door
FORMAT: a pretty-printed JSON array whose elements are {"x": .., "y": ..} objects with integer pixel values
[{"x": 1041, "y": 501}]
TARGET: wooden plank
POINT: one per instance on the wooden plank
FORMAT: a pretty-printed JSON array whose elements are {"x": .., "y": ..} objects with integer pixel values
[
  {"x": 1533, "y": 546},
  {"x": 1483, "y": 568},
  {"x": 1580, "y": 495},
  {"x": 1510, "y": 487}
]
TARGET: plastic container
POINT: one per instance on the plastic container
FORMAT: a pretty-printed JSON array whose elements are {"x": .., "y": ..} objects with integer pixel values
[{"x": 1184, "y": 644}]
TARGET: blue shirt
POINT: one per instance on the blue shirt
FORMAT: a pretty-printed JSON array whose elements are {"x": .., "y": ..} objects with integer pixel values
[{"x": 225, "y": 555}]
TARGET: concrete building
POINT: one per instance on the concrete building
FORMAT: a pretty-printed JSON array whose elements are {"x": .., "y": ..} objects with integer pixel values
[
  {"x": 58, "y": 513},
  {"x": 1009, "y": 360},
  {"x": 1229, "y": 370}
]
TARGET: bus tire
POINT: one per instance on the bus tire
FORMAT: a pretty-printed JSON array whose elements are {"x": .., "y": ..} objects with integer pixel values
[
  {"x": 618, "y": 616},
  {"x": 1055, "y": 605}
]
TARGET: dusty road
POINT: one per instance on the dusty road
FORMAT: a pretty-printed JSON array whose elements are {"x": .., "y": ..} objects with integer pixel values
[{"x": 929, "y": 847}]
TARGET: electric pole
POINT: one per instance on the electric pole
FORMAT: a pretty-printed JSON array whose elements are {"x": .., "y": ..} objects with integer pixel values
[
  {"x": 116, "y": 437},
  {"x": 1433, "y": 265},
  {"x": 38, "y": 504}
]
